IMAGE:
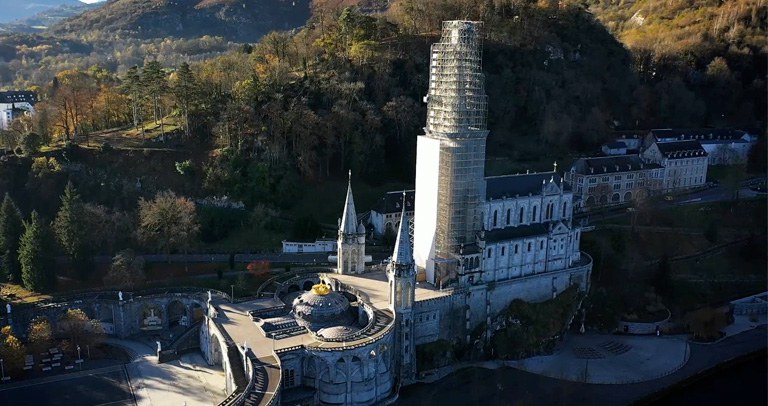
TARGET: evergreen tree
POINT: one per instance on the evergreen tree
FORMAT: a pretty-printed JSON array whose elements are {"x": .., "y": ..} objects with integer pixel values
[
  {"x": 36, "y": 256},
  {"x": 70, "y": 228},
  {"x": 132, "y": 86},
  {"x": 153, "y": 80},
  {"x": 184, "y": 89},
  {"x": 11, "y": 227}
]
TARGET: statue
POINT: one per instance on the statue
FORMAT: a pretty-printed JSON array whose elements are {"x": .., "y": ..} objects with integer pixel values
[
  {"x": 8, "y": 308},
  {"x": 159, "y": 347},
  {"x": 209, "y": 296},
  {"x": 120, "y": 295}
]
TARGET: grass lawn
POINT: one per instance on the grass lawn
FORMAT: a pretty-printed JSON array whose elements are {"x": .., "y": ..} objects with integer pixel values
[{"x": 17, "y": 294}]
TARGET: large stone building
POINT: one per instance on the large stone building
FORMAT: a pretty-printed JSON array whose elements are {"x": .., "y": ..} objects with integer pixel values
[
  {"x": 602, "y": 181},
  {"x": 684, "y": 162}
]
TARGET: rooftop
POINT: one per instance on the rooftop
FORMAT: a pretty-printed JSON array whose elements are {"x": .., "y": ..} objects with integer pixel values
[
  {"x": 513, "y": 233},
  {"x": 611, "y": 164},
  {"x": 18, "y": 97},
  {"x": 701, "y": 134},
  {"x": 498, "y": 187},
  {"x": 391, "y": 202},
  {"x": 681, "y": 149}
]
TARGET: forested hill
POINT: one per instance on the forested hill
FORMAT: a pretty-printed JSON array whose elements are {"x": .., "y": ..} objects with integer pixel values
[{"x": 235, "y": 20}]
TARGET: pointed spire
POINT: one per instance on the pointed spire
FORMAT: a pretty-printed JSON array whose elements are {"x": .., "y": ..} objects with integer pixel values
[
  {"x": 402, "y": 254},
  {"x": 349, "y": 218}
]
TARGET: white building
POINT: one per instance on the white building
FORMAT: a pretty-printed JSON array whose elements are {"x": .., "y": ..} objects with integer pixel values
[
  {"x": 723, "y": 146},
  {"x": 386, "y": 214},
  {"x": 317, "y": 246},
  {"x": 685, "y": 163},
  {"x": 15, "y": 104}
]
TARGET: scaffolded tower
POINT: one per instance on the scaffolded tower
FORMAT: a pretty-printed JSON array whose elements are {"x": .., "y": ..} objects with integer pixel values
[{"x": 451, "y": 155}]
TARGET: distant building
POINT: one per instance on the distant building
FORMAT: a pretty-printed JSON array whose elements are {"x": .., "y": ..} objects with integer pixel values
[
  {"x": 602, "y": 181},
  {"x": 386, "y": 214},
  {"x": 632, "y": 139},
  {"x": 615, "y": 148},
  {"x": 684, "y": 162},
  {"x": 723, "y": 146},
  {"x": 15, "y": 104},
  {"x": 322, "y": 245}
]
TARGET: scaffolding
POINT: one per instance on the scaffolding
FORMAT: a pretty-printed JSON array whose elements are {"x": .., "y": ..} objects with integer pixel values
[{"x": 457, "y": 115}]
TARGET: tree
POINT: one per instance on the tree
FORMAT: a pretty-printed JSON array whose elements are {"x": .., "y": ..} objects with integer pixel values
[
  {"x": 79, "y": 329},
  {"x": 11, "y": 227},
  {"x": 127, "y": 270},
  {"x": 154, "y": 82},
  {"x": 40, "y": 334},
  {"x": 70, "y": 228},
  {"x": 184, "y": 90},
  {"x": 132, "y": 85},
  {"x": 11, "y": 351},
  {"x": 36, "y": 256},
  {"x": 168, "y": 221}
]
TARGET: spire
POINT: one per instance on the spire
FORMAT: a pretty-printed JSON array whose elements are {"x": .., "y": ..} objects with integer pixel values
[
  {"x": 402, "y": 254},
  {"x": 349, "y": 218}
]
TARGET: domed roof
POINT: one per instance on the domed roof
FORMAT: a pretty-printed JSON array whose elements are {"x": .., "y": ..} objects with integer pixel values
[
  {"x": 321, "y": 307},
  {"x": 337, "y": 331}
]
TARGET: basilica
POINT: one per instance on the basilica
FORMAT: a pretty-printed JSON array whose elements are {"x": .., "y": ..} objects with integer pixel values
[{"x": 350, "y": 334}]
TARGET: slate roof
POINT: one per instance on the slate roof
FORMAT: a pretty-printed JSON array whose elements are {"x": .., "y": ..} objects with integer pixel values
[
  {"x": 390, "y": 202},
  {"x": 18, "y": 97},
  {"x": 616, "y": 145},
  {"x": 514, "y": 233},
  {"x": 497, "y": 187},
  {"x": 611, "y": 164},
  {"x": 681, "y": 149},
  {"x": 704, "y": 135}
]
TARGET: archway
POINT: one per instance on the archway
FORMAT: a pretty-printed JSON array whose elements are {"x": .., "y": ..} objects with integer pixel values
[
  {"x": 217, "y": 355},
  {"x": 604, "y": 199},
  {"x": 197, "y": 312},
  {"x": 590, "y": 201},
  {"x": 176, "y": 312},
  {"x": 628, "y": 196},
  {"x": 615, "y": 198}
]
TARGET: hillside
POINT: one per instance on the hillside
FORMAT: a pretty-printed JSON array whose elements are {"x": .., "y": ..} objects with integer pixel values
[
  {"x": 234, "y": 20},
  {"x": 17, "y": 9},
  {"x": 46, "y": 18}
]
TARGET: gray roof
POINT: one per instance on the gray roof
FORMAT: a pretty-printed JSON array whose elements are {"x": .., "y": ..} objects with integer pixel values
[
  {"x": 681, "y": 149},
  {"x": 18, "y": 97},
  {"x": 498, "y": 187},
  {"x": 617, "y": 144},
  {"x": 391, "y": 202},
  {"x": 514, "y": 233},
  {"x": 701, "y": 134},
  {"x": 611, "y": 164}
]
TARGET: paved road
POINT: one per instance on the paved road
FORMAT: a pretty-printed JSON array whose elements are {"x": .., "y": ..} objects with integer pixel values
[
  {"x": 508, "y": 386},
  {"x": 106, "y": 386}
]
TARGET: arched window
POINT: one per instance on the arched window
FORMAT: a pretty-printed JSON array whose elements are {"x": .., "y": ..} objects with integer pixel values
[
  {"x": 565, "y": 206},
  {"x": 522, "y": 212},
  {"x": 489, "y": 252},
  {"x": 508, "y": 216},
  {"x": 529, "y": 247},
  {"x": 502, "y": 250},
  {"x": 516, "y": 248},
  {"x": 495, "y": 217},
  {"x": 533, "y": 218}
]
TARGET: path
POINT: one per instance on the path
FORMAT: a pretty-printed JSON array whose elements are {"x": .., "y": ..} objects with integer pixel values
[{"x": 188, "y": 380}]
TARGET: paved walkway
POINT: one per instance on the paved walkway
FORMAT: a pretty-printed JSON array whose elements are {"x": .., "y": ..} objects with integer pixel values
[
  {"x": 188, "y": 380},
  {"x": 610, "y": 359}
]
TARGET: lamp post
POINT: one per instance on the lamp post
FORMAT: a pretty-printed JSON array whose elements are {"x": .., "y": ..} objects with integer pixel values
[{"x": 80, "y": 359}]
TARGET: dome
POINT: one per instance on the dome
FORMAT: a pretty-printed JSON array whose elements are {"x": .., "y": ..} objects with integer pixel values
[
  {"x": 321, "y": 307},
  {"x": 361, "y": 228},
  {"x": 337, "y": 332}
]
